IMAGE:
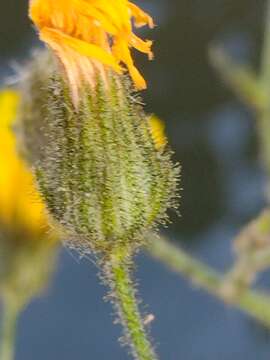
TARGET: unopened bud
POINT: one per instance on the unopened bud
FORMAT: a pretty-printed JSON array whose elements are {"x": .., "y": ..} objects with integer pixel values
[{"x": 99, "y": 169}]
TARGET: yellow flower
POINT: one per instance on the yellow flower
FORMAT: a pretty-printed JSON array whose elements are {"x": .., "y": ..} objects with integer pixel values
[
  {"x": 28, "y": 244},
  {"x": 157, "y": 128},
  {"x": 90, "y": 36},
  {"x": 20, "y": 203}
]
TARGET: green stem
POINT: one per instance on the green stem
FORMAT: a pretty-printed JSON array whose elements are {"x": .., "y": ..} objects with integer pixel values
[
  {"x": 264, "y": 121},
  {"x": 265, "y": 66},
  {"x": 256, "y": 304},
  {"x": 245, "y": 270},
  {"x": 261, "y": 260},
  {"x": 11, "y": 310},
  {"x": 124, "y": 298},
  {"x": 252, "y": 253},
  {"x": 240, "y": 78}
]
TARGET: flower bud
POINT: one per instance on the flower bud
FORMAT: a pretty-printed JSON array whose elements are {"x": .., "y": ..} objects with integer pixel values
[{"x": 99, "y": 169}]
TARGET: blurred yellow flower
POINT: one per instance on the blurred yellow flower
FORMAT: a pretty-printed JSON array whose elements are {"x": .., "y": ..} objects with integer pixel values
[
  {"x": 89, "y": 37},
  {"x": 157, "y": 128},
  {"x": 28, "y": 245},
  {"x": 20, "y": 202}
]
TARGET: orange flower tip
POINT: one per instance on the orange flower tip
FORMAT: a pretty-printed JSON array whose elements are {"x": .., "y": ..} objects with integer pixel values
[
  {"x": 88, "y": 35},
  {"x": 139, "y": 81},
  {"x": 150, "y": 23},
  {"x": 141, "y": 18},
  {"x": 142, "y": 86},
  {"x": 151, "y": 56}
]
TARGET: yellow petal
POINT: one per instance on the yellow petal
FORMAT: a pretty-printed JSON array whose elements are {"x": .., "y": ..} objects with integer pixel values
[
  {"x": 142, "y": 46},
  {"x": 122, "y": 52},
  {"x": 141, "y": 18},
  {"x": 20, "y": 202},
  {"x": 91, "y": 28},
  {"x": 52, "y": 36}
]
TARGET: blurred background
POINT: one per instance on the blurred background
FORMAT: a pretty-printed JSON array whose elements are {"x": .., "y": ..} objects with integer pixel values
[{"x": 213, "y": 136}]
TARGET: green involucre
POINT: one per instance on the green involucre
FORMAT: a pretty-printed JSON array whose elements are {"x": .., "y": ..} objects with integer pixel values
[{"x": 98, "y": 168}]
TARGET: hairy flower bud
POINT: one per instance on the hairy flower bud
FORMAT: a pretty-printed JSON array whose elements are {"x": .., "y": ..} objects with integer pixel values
[{"x": 99, "y": 169}]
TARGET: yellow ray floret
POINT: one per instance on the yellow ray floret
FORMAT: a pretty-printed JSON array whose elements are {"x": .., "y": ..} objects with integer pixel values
[
  {"x": 87, "y": 33},
  {"x": 20, "y": 203}
]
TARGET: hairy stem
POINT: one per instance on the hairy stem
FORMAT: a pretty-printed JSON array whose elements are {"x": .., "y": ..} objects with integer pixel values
[
  {"x": 11, "y": 310},
  {"x": 254, "y": 303},
  {"x": 124, "y": 298}
]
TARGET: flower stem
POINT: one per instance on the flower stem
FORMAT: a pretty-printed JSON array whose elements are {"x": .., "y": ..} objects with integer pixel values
[
  {"x": 264, "y": 118},
  {"x": 254, "y": 303},
  {"x": 11, "y": 310},
  {"x": 124, "y": 298}
]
